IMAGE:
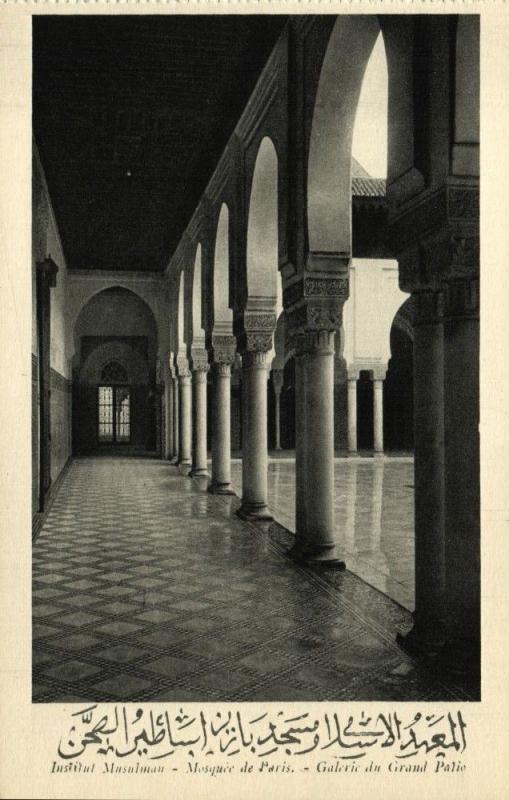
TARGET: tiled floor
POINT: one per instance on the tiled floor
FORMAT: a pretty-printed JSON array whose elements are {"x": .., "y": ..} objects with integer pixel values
[
  {"x": 145, "y": 587},
  {"x": 373, "y": 514}
]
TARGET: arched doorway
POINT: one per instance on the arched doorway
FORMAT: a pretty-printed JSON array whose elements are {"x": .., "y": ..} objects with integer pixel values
[{"x": 115, "y": 406}]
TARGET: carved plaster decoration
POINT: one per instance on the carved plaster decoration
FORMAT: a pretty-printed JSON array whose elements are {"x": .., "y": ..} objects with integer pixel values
[
  {"x": 200, "y": 360},
  {"x": 183, "y": 367},
  {"x": 224, "y": 349}
]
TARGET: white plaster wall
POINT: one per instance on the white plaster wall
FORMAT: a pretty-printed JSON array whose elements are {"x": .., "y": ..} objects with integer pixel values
[{"x": 375, "y": 297}]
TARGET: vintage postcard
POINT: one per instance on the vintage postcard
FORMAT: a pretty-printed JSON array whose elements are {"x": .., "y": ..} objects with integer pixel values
[{"x": 253, "y": 387}]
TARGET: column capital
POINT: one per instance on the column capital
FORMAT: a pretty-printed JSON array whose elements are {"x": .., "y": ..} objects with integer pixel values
[
  {"x": 224, "y": 349},
  {"x": 223, "y": 369},
  {"x": 183, "y": 370},
  {"x": 256, "y": 359},
  {"x": 314, "y": 301},
  {"x": 256, "y": 330},
  {"x": 320, "y": 342},
  {"x": 436, "y": 236},
  {"x": 200, "y": 360}
]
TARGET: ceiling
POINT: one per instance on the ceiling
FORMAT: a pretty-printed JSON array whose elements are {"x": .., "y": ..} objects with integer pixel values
[{"x": 131, "y": 114}]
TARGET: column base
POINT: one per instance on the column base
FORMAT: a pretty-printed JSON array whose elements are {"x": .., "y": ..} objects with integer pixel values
[
  {"x": 220, "y": 488},
  {"x": 254, "y": 511},
  {"x": 425, "y": 639},
  {"x": 378, "y": 454},
  {"x": 199, "y": 473},
  {"x": 316, "y": 555}
]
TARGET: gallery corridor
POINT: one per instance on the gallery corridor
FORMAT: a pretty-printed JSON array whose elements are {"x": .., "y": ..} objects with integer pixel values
[{"x": 146, "y": 588}]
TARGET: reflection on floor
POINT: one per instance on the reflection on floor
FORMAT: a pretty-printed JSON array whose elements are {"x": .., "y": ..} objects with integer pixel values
[
  {"x": 373, "y": 513},
  {"x": 145, "y": 587}
]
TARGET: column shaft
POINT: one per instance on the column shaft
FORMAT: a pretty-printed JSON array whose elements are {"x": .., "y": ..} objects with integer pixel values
[
  {"x": 168, "y": 418},
  {"x": 254, "y": 441},
  {"x": 427, "y": 635},
  {"x": 301, "y": 471},
  {"x": 176, "y": 416},
  {"x": 378, "y": 415},
  {"x": 221, "y": 438},
  {"x": 462, "y": 484},
  {"x": 277, "y": 411},
  {"x": 319, "y": 446},
  {"x": 185, "y": 420},
  {"x": 200, "y": 422},
  {"x": 352, "y": 415}
]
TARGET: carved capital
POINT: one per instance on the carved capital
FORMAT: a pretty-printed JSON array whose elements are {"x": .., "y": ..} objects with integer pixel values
[
  {"x": 222, "y": 369},
  {"x": 255, "y": 359},
  {"x": 316, "y": 286},
  {"x": 183, "y": 370},
  {"x": 224, "y": 348},
  {"x": 200, "y": 360},
  {"x": 315, "y": 343},
  {"x": 315, "y": 316},
  {"x": 200, "y": 375},
  {"x": 257, "y": 331},
  {"x": 436, "y": 237}
]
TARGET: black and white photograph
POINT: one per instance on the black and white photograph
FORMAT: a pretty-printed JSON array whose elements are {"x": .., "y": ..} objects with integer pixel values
[{"x": 255, "y": 358}]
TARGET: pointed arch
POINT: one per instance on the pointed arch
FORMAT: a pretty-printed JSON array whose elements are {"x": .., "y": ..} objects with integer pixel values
[
  {"x": 180, "y": 315},
  {"x": 223, "y": 316},
  {"x": 330, "y": 148},
  {"x": 197, "y": 317},
  {"x": 262, "y": 230}
]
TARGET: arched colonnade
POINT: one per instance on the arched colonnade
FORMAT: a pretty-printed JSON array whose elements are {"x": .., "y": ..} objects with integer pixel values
[{"x": 278, "y": 207}]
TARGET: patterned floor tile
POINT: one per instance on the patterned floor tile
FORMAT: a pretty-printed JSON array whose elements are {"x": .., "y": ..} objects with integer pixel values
[{"x": 145, "y": 587}]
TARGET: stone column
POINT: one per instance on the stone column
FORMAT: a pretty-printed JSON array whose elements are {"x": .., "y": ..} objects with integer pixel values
[
  {"x": 277, "y": 382},
  {"x": 224, "y": 357},
  {"x": 168, "y": 415},
  {"x": 176, "y": 417},
  {"x": 378, "y": 413},
  {"x": 462, "y": 483},
  {"x": 427, "y": 634},
  {"x": 185, "y": 412},
  {"x": 200, "y": 368},
  {"x": 255, "y": 365},
  {"x": 319, "y": 445},
  {"x": 352, "y": 412},
  {"x": 301, "y": 472}
]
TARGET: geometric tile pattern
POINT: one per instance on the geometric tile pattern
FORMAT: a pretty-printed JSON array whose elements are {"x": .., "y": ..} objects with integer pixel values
[
  {"x": 373, "y": 512},
  {"x": 146, "y": 588}
]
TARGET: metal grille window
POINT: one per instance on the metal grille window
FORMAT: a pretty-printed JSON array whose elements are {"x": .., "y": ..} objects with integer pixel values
[{"x": 114, "y": 414}]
